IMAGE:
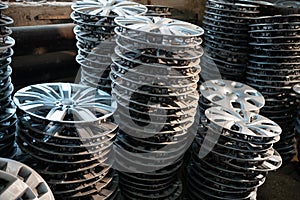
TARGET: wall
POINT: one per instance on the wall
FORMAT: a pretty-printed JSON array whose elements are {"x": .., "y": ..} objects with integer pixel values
[{"x": 33, "y": 13}]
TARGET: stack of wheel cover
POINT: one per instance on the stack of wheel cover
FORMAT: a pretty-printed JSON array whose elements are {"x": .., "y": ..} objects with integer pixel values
[
  {"x": 239, "y": 160},
  {"x": 296, "y": 88},
  {"x": 18, "y": 181},
  {"x": 273, "y": 69},
  {"x": 67, "y": 134},
  {"x": 7, "y": 108},
  {"x": 228, "y": 94},
  {"x": 231, "y": 159},
  {"x": 95, "y": 37},
  {"x": 154, "y": 76},
  {"x": 226, "y": 39}
]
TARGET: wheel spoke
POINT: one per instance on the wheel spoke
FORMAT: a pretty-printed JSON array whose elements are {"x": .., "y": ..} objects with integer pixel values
[
  {"x": 46, "y": 90},
  {"x": 35, "y": 107},
  {"x": 98, "y": 107},
  {"x": 81, "y": 94},
  {"x": 53, "y": 129},
  {"x": 56, "y": 114},
  {"x": 65, "y": 90},
  {"x": 247, "y": 123},
  {"x": 105, "y": 8},
  {"x": 232, "y": 92},
  {"x": 55, "y": 101},
  {"x": 83, "y": 114},
  {"x": 34, "y": 95}
]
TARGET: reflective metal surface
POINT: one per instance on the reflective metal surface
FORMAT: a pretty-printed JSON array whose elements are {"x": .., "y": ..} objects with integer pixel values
[
  {"x": 226, "y": 39},
  {"x": 7, "y": 108},
  {"x": 234, "y": 95},
  {"x": 243, "y": 122},
  {"x": 160, "y": 26},
  {"x": 66, "y": 134},
  {"x": 230, "y": 160},
  {"x": 96, "y": 37},
  {"x": 155, "y": 86},
  {"x": 64, "y": 102},
  {"x": 108, "y": 8},
  {"x": 273, "y": 70}
]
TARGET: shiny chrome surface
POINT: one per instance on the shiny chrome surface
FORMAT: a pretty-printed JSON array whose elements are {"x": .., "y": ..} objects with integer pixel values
[
  {"x": 64, "y": 102},
  {"x": 7, "y": 108},
  {"x": 110, "y": 8},
  {"x": 242, "y": 122},
  {"x": 233, "y": 95},
  {"x": 160, "y": 26}
]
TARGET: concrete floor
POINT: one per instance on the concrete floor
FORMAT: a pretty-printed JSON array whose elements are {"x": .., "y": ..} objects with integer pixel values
[{"x": 283, "y": 184}]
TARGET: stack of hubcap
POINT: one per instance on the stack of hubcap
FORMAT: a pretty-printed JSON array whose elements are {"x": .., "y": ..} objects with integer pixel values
[
  {"x": 66, "y": 131},
  {"x": 7, "y": 108},
  {"x": 154, "y": 74},
  {"x": 228, "y": 94},
  {"x": 240, "y": 153},
  {"x": 297, "y": 90},
  {"x": 274, "y": 69},
  {"x": 95, "y": 36},
  {"x": 226, "y": 39}
]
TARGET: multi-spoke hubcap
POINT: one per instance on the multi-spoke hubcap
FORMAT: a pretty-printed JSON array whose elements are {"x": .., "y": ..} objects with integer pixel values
[{"x": 64, "y": 102}]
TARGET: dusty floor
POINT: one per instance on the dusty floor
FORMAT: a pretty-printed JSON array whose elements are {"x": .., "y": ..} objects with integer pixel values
[{"x": 283, "y": 184}]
